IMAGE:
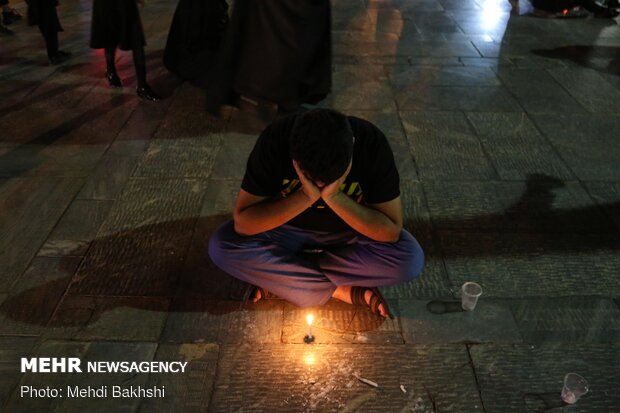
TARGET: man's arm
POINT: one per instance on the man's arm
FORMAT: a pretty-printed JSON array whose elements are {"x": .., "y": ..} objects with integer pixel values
[
  {"x": 380, "y": 222},
  {"x": 255, "y": 214}
]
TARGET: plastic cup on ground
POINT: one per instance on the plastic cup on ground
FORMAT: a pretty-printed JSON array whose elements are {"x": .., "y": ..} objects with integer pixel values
[
  {"x": 471, "y": 292},
  {"x": 575, "y": 386}
]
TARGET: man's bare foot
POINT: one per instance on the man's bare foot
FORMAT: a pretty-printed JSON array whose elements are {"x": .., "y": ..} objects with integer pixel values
[
  {"x": 343, "y": 293},
  {"x": 258, "y": 294}
]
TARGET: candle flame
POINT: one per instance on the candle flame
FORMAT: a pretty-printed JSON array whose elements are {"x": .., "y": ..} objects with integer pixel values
[{"x": 309, "y": 319}]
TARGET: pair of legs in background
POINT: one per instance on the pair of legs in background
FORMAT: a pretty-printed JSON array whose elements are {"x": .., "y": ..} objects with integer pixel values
[
  {"x": 285, "y": 261},
  {"x": 43, "y": 14},
  {"x": 117, "y": 24}
]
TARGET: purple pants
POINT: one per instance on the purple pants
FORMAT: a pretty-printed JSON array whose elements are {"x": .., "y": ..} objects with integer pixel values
[{"x": 279, "y": 261}]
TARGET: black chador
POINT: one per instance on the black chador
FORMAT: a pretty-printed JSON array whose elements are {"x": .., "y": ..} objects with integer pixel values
[
  {"x": 194, "y": 38},
  {"x": 117, "y": 24},
  {"x": 278, "y": 51}
]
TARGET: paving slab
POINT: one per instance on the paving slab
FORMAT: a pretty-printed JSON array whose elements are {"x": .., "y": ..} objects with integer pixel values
[
  {"x": 583, "y": 141},
  {"x": 34, "y": 297},
  {"x": 510, "y": 376},
  {"x": 444, "y": 321},
  {"x": 490, "y": 62},
  {"x": 188, "y": 392},
  {"x": 406, "y": 47},
  {"x": 191, "y": 157},
  {"x": 533, "y": 265},
  {"x": 369, "y": 95},
  {"x": 302, "y": 377},
  {"x": 86, "y": 351},
  {"x": 109, "y": 318},
  {"x": 30, "y": 208},
  {"x": 12, "y": 349},
  {"x": 194, "y": 319},
  {"x": 405, "y": 77},
  {"x": 340, "y": 323},
  {"x": 433, "y": 281},
  {"x": 76, "y": 229},
  {"x": 607, "y": 195},
  {"x": 591, "y": 89},
  {"x": 142, "y": 243},
  {"x": 457, "y": 98},
  {"x": 25, "y": 123},
  {"x": 233, "y": 155},
  {"x": 65, "y": 88},
  {"x": 41, "y": 159},
  {"x": 540, "y": 205},
  {"x": 220, "y": 197},
  {"x": 134, "y": 138},
  {"x": 444, "y": 146},
  {"x": 516, "y": 148},
  {"x": 537, "y": 91},
  {"x": 108, "y": 179},
  {"x": 567, "y": 320}
]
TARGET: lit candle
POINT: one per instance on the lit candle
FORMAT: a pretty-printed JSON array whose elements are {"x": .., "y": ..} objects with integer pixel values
[
  {"x": 309, "y": 318},
  {"x": 309, "y": 339}
]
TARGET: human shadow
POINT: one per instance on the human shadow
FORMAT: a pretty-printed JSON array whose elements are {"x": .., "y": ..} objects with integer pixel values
[
  {"x": 588, "y": 56},
  {"x": 169, "y": 261},
  {"x": 542, "y": 402}
]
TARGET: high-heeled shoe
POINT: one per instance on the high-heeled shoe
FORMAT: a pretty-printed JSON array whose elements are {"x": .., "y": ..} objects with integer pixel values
[
  {"x": 113, "y": 79},
  {"x": 145, "y": 92}
]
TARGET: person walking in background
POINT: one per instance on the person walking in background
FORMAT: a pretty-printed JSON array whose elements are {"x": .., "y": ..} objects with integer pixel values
[
  {"x": 117, "y": 24},
  {"x": 42, "y": 13}
]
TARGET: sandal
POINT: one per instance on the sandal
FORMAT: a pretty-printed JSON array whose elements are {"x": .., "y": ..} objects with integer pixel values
[
  {"x": 357, "y": 298},
  {"x": 251, "y": 292}
]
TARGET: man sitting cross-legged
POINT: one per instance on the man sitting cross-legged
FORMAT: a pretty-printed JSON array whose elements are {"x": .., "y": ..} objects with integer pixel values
[{"x": 319, "y": 215}]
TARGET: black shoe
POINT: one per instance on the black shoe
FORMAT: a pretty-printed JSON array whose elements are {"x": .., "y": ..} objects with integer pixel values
[
  {"x": 113, "y": 79},
  {"x": 145, "y": 92},
  {"x": 60, "y": 57},
  {"x": 6, "y": 31}
]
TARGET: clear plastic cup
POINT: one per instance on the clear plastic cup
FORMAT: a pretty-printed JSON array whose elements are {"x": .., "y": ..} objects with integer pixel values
[
  {"x": 469, "y": 298},
  {"x": 575, "y": 386}
]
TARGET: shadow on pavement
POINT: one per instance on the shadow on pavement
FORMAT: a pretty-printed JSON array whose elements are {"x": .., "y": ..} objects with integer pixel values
[
  {"x": 162, "y": 261},
  {"x": 583, "y": 55}
]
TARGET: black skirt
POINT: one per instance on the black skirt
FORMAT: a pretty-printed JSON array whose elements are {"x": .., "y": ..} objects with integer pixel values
[
  {"x": 116, "y": 23},
  {"x": 276, "y": 50},
  {"x": 42, "y": 13},
  {"x": 194, "y": 37}
]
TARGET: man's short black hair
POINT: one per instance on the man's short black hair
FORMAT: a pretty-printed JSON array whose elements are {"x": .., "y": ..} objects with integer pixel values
[{"x": 322, "y": 144}]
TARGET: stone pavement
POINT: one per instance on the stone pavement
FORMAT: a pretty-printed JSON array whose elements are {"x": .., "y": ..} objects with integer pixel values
[{"x": 505, "y": 131}]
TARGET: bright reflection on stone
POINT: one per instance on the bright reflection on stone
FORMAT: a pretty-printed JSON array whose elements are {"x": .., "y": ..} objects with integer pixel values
[
  {"x": 309, "y": 358},
  {"x": 492, "y": 16}
]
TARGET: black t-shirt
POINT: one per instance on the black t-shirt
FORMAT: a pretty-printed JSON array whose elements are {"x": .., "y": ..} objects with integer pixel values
[{"x": 373, "y": 177}]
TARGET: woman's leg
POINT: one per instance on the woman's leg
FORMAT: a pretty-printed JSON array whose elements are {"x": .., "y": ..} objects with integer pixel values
[
  {"x": 143, "y": 90},
  {"x": 111, "y": 75}
]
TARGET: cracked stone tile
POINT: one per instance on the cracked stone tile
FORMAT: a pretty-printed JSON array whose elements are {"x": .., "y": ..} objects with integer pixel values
[
  {"x": 34, "y": 297},
  {"x": 300, "y": 377},
  {"x": 512, "y": 376},
  {"x": 109, "y": 318}
]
